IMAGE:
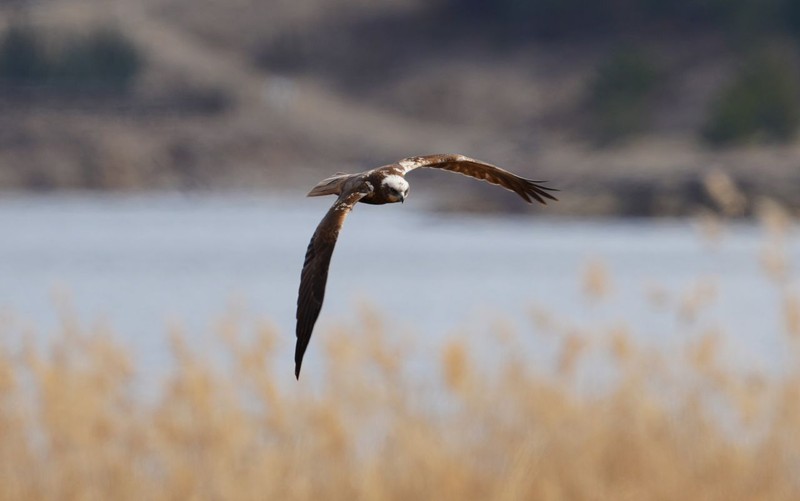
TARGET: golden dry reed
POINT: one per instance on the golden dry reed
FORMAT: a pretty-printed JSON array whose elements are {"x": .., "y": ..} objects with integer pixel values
[
  {"x": 606, "y": 419},
  {"x": 73, "y": 425},
  {"x": 725, "y": 193}
]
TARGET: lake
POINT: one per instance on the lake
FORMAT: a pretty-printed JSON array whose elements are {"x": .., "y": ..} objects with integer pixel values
[{"x": 140, "y": 264}]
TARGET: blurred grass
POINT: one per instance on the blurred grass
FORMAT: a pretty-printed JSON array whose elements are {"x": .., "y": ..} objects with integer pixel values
[
  {"x": 370, "y": 426},
  {"x": 73, "y": 428}
]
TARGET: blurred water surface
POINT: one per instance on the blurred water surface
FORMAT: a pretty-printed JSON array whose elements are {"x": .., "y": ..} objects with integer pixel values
[{"x": 139, "y": 264}]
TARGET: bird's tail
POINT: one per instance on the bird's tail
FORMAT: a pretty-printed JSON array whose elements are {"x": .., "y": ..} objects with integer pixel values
[{"x": 330, "y": 186}]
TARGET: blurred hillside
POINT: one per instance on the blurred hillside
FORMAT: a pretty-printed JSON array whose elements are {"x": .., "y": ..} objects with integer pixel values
[{"x": 627, "y": 106}]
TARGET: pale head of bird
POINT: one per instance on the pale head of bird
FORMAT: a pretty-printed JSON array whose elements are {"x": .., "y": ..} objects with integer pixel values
[{"x": 394, "y": 188}]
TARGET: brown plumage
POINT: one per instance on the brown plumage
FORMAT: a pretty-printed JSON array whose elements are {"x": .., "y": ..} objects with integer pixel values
[{"x": 379, "y": 186}]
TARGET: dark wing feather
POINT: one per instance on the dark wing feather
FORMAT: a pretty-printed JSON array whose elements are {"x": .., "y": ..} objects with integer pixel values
[
  {"x": 525, "y": 188},
  {"x": 315, "y": 271}
]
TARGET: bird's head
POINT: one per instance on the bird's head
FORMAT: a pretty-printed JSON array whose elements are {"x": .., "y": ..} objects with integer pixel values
[{"x": 394, "y": 188}]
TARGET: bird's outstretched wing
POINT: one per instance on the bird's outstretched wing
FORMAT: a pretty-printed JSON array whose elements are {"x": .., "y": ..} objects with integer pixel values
[
  {"x": 525, "y": 188},
  {"x": 315, "y": 269}
]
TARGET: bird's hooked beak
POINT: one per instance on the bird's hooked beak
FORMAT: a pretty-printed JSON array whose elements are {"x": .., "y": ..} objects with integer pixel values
[{"x": 402, "y": 198}]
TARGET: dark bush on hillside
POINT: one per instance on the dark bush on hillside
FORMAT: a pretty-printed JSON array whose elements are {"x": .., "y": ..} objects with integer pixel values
[
  {"x": 791, "y": 16},
  {"x": 541, "y": 18},
  {"x": 620, "y": 95},
  {"x": 761, "y": 104},
  {"x": 571, "y": 18},
  {"x": 103, "y": 60},
  {"x": 22, "y": 57},
  {"x": 287, "y": 52}
]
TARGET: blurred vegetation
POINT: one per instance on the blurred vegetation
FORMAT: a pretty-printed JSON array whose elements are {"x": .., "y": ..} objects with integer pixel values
[
  {"x": 619, "y": 95},
  {"x": 761, "y": 103},
  {"x": 105, "y": 59},
  {"x": 520, "y": 82}
]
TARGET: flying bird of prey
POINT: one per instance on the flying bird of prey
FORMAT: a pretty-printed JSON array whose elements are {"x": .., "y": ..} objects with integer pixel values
[{"x": 383, "y": 185}]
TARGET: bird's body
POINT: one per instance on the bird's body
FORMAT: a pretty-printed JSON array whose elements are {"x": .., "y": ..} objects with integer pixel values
[
  {"x": 379, "y": 186},
  {"x": 376, "y": 181}
]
